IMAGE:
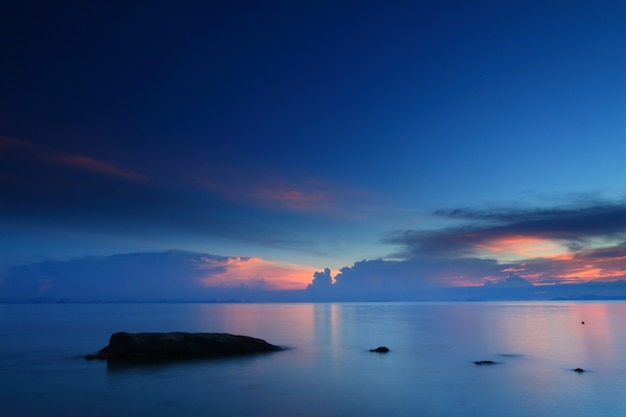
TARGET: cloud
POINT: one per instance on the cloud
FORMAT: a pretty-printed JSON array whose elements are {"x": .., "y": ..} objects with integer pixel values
[
  {"x": 49, "y": 189},
  {"x": 254, "y": 272},
  {"x": 461, "y": 279},
  {"x": 26, "y": 150},
  {"x": 412, "y": 279},
  {"x": 606, "y": 264},
  {"x": 308, "y": 196},
  {"x": 274, "y": 193},
  {"x": 545, "y": 245},
  {"x": 415, "y": 274},
  {"x": 534, "y": 248},
  {"x": 7, "y": 142},
  {"x": 148, "y": 276},
  {"x": 86, "y": 163},
  {"x": 183, "y": 275},
  {"x": 530, "y": 233},
  {"x": 561, "y": 223},
  {"x": 322, "y": 281},
  {"x": 513, "y": 281},
  {"x": 41, "y": 185}
]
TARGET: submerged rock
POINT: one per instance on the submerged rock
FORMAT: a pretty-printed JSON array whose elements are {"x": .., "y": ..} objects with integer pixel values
[
  {"x": 380, "y": 349},
  {"x": 179, "y": 345}
]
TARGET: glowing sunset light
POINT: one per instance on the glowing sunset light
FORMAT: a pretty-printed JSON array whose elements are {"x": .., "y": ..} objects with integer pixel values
[
  {"x": 563, "y": 257},
  {"x": 521, "y": 247},
  {"x": 515, "y": 269},
  {"x": 592, "y": 272},
  {"x": 256, "y": 273},
  {"x": 532, "y": 277},
  {"x": 587, "y": 272}
]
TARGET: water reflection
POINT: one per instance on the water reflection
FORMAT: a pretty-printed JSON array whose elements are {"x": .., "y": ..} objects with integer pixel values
[
  {"x": 330, "y": 371},
  {"x": 279, "y": 324},
  {"x": 595, "y": 334},
  {"x": 550, "y": 330},
  {"x": 326, "y": 325}
]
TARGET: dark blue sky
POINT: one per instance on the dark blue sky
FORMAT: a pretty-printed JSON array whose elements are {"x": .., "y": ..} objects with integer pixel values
[{"x": 293, "y": 136}]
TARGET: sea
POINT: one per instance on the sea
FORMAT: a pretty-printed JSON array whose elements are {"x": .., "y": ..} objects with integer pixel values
[{"x": 328, "y": 369}]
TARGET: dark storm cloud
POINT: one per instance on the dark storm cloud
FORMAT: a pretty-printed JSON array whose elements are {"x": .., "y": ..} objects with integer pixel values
[{"x": 572, "y": 226}]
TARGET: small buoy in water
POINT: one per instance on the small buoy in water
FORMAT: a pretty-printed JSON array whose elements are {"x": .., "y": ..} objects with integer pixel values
[{"x": 582, "y": 322}]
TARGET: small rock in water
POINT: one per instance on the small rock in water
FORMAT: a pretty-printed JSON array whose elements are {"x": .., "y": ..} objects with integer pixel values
[
  {"x": 380, "y": 349},
  {"x": 579, "y": 370},
  {"x": 485, "y": 362}
]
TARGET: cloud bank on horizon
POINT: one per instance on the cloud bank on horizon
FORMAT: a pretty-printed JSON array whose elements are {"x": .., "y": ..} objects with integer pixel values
[
  {"x": 535, "y": 247},
  {"x": 148, "y": 276},
  {"x": 522, "y": 251}
]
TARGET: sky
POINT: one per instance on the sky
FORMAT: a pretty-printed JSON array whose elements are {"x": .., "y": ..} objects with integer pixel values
[{"x": 208, "y": 149}]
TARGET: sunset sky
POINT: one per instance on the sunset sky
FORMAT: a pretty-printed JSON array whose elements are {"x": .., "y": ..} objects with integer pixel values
[{"x": 400, "y": 144}]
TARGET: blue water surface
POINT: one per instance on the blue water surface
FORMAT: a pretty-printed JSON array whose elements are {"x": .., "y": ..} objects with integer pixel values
[{"x": 328, "y": 370}]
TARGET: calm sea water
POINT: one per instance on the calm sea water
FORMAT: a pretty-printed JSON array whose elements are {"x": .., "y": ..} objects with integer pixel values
[{"x": 329, "y": 371}]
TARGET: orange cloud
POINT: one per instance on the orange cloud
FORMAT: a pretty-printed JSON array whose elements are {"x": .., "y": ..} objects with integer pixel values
[
  {"x": 255, "y": 273},
  {"x": 604, "y": 264},
  {"x": 601, "y": 270},
  {"x": 521, "y": 247}
]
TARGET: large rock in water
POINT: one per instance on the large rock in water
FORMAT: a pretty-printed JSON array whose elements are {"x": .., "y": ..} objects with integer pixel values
[{"x": 179, "y": 345}]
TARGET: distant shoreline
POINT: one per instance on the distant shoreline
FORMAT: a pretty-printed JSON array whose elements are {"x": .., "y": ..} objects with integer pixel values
[{"x": 69, "y": 301}]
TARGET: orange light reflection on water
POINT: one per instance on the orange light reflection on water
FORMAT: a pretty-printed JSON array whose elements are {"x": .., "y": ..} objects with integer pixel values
[{"x": 308, "y": 327}]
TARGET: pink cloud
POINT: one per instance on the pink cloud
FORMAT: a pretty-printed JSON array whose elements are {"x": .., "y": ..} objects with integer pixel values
[
  {"x": 604, "y": 264},
  {"x": 253, "y": 272},
  {"x": 520, "y": 247}
]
